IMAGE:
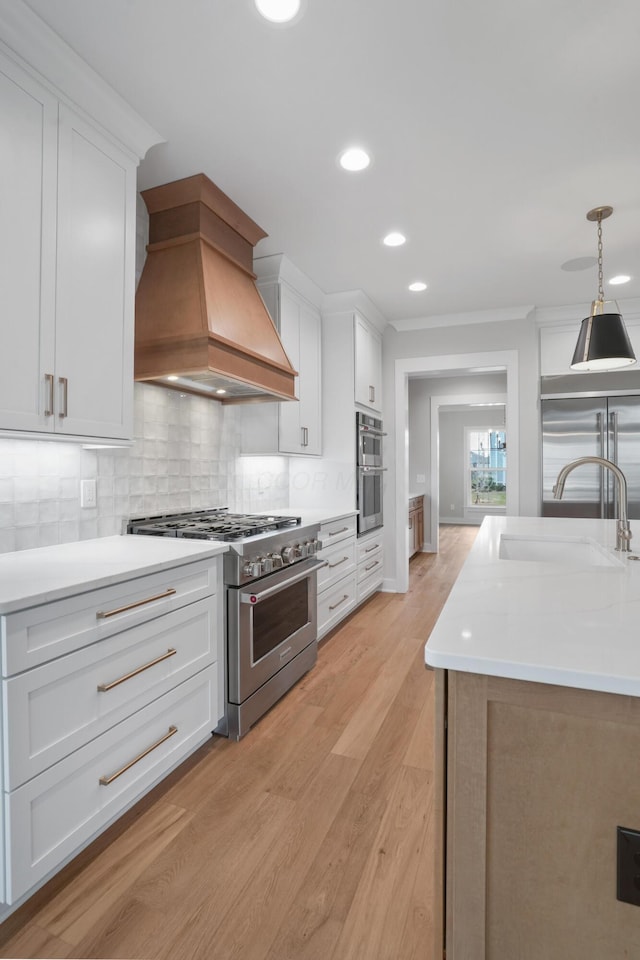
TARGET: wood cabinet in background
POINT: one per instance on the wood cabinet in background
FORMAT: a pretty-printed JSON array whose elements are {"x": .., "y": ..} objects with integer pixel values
[
  {"x": 66, "y": 269},
  {"x": 293, "y": 427},
  {"x": 416, "y": 525}
]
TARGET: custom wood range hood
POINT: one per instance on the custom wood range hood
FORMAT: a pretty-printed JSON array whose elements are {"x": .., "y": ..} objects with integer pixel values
[{"x": 200, "y": 319}]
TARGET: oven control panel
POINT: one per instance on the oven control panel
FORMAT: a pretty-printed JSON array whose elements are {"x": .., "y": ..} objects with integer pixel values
[{"x": 260, "y": 565}]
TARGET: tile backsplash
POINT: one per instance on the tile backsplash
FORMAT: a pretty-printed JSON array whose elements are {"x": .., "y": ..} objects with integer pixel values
[{"x": 185, "y": 455}]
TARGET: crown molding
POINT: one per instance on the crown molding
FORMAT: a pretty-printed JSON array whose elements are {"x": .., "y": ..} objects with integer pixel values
[
  {"x": 499, "y": 315},
  {"x": 31, "y": 43}
]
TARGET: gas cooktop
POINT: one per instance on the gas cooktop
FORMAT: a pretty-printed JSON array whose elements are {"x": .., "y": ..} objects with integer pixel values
[{"x": 216, "y": 524}]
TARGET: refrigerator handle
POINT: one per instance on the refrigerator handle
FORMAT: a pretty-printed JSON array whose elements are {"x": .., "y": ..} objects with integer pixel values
[
  {"x": 603, "y": 479},
  {"x": 613, "y": 453}
]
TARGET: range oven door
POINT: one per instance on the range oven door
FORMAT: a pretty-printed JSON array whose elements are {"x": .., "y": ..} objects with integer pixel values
[
  {"x": 269, "y": 622},
  {"x": 370, "y": 482}
]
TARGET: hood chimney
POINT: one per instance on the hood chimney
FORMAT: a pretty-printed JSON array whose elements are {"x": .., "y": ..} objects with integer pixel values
[{"x": 201, "y": 324}]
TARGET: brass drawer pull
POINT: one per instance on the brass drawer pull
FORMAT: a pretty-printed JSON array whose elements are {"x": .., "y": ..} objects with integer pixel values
[
  {"x": 64, "y": 383},
  {"x": 332, "y": 565},
  {"x": 346, "y": 597},
  {"x": 372, "y": 565},
  {"x": 105, "y": 781},
  {"x": 103, "y": 687},
  {"x": 103, "y": 614},
  {"x": 373, "y": 547},
  {"x": 334, "y": 533}
]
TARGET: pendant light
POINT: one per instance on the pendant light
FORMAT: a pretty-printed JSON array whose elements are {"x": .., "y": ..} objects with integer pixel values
[{"x": 603, "y": 342}]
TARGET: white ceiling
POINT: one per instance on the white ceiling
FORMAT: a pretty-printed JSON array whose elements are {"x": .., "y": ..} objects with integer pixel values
[{"x": 493, "y": 128}]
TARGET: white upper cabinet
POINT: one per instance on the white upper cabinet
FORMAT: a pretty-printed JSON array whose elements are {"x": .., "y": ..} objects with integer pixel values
[
  {"x": 29, "y": 136},
  {"x": 368, "y": 364},
  {"x": 67, "y": 240},
  {"x": 291, "y": 427}
]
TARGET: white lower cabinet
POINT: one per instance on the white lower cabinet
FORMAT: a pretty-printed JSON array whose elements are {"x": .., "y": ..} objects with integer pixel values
[
  {"x": 370, "y": 564},
  {"x": 103, "y": 693},
  {"x": 49, "y": 817},
  {"x": 352, "y": 571}
]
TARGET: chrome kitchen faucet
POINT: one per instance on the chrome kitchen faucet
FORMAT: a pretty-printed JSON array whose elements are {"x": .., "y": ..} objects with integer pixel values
[{"x": 623, "y": 527}]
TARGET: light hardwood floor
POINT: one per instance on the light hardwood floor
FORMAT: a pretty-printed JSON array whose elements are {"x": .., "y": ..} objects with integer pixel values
[{"x": 310, "y": 839}]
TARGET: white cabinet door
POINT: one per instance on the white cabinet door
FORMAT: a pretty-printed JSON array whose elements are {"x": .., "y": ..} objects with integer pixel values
[
  {"x": 28, "y": 146},
  {"x": 295, "y": 426},
  {"x": 66, "y": 268},
  {"x": 95, "y": 284},
  {"x": 300, "y": 423},
  {"x": 368, "y": 364}
]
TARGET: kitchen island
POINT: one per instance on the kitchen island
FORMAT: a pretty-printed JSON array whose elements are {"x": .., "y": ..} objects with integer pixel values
[{"x": 537, "y": 664}]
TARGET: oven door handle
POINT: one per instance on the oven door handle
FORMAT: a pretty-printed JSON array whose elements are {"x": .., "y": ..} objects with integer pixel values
[
  {"x": 373, "y": 469},
  {"x": 253, "y": 598},
  {"x": 376, "y": 433}
]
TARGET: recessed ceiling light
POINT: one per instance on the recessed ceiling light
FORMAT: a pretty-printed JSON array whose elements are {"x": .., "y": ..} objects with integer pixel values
[
  {"x": 394, "y": 240},
  {"x": 172, "y": 377},
  {"x": 355, "y": 158},
  {"x": 622, "y": 278},
  {"x": 278, "y": 11},
  {"x": 417, "y": 286},
  {"x": 221, "y": 391}
]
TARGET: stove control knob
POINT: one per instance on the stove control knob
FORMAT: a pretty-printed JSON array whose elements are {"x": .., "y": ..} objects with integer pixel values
[
  {"x": 276, "y": 561},
  {"x": 290, "y": 554},
  {"x": 311, "y": 547},
  {"x": 254, "y": 568},
  {"x": 267, "y": 564}
]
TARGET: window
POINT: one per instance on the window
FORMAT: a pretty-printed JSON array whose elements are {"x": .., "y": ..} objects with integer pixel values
[{"x": 487, "y": 474}]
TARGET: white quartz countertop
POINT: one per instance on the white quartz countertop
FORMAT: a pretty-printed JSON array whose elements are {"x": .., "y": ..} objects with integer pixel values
[
  {"x": 32, "y": 577},
  {"x": 544, "y": 621}
]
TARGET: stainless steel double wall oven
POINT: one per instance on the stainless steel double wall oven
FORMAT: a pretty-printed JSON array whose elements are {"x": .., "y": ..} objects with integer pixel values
[
  {"x": 369, "y": 471},
  {"x": 270, "y": 598}
]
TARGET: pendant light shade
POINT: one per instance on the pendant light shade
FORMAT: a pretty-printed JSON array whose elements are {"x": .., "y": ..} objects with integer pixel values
[{"x": 603, "y": 342}]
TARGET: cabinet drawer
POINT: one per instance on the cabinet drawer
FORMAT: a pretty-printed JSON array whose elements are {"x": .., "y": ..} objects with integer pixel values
[
  {"x": 60, "y": 706},
  {"x": 337, "y": 530},
  {"x": 33, "y": 636},
  {"x": 340, "y": 561},
  {"x": 367, "y": 548},
  {"x": 415, "y": 503},
  {"x": 371, "y": 566},
  {"x": 334, "y": 604},
  {"x": 49, "y": 818},
  {"x": 370, "y": 583}
]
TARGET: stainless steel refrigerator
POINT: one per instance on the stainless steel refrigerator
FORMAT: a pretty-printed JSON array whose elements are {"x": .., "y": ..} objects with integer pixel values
[{"x": 590, "y": 426}]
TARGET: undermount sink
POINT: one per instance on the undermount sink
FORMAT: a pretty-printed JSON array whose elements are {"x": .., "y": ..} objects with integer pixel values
[{"x": 568, "y": 551}]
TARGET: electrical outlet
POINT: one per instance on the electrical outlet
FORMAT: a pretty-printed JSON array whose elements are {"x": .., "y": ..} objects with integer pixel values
[
  {"x": 453, "y": 506},
  {"x": 420, "y": 478},
  {"x": 88, "y": 494},
  {"x": 628, "y": 866}
]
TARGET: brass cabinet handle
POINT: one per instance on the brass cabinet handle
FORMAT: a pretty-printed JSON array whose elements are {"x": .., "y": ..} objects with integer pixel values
[
  {"x": 372, "y": 565},
  {"x": 49, "y": 381},
  {"x": 105, "y": 781},
  {"x": 332, "y": 565},
  {"x": 305, "y": 437},
  {"x": 372, "y": 394},
  {"x": 103, "y": 687},
  {"x": 64, "y": 383},
  {"x": 346, "y": 597},
  {"x": 334, "y": 533},
  {"x": 103, "y": 614},
  {"x": 372, "y": 547}
]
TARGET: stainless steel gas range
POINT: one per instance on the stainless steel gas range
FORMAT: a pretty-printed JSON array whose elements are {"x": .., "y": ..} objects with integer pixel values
[{"x": 270, "y": 601}]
